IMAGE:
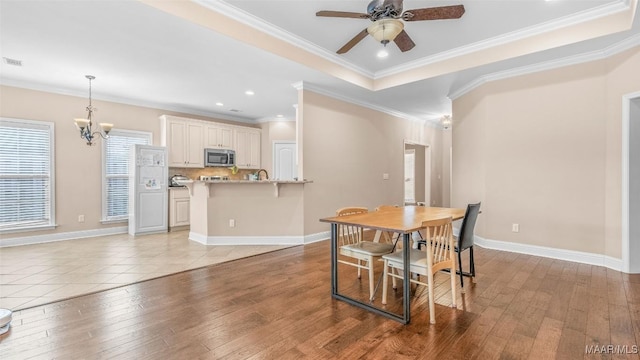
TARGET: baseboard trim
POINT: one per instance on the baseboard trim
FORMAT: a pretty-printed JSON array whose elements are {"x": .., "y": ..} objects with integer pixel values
[
  {"x": 246, "y": 240},
  {"x": 553, "y": 253},
  {"x": 311, "y": 238},
  {"x": 41, "y": 239},
  {"x": 259, "y": 240}
]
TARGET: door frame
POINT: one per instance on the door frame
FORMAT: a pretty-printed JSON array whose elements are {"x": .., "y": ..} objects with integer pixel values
[
  {"x": 626, "y": 134},
  {"x": 427, "y": 169}
]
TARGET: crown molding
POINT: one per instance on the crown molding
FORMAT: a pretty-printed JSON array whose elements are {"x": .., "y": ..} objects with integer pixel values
[
  {"x": 614, "y": 49},
  {"x": 255, "y": 22},
  {"x": 548, "y": 26},
  {"x": 120, "y": 100},
  {"x": 249, "y": 19},
  {"x": 272, "y": 119},
  {"x": 303, "y": 85}
]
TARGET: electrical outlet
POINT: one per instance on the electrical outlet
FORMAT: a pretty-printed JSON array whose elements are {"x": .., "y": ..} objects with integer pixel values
[
  {"x": 515, "y": 227},
  {"x": 232, "y": 223},
  {"x": 81, "y": 218},
  {"x": 385, "y": 176}
]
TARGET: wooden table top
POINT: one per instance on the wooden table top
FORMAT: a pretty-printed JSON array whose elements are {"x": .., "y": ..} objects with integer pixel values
[{"x": 401, "y": 219}]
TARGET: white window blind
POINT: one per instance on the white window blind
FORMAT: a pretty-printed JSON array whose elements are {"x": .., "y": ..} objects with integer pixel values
[
  {"x": 410, "y": 176},
  {"x": 116, "y": 171},
  {"x": 26, "y": 174}
]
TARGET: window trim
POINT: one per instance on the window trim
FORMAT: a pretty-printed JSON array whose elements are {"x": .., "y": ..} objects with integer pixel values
[
  {"x": 52, "y": 175},
  {"x": 117, "y": 132}
]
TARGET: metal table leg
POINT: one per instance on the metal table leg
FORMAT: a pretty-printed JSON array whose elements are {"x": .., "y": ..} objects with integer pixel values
[
  {"x": 406, "y": 285},
  {"x": 406, "y": 313},
  {"x": 334, "y": 259}
]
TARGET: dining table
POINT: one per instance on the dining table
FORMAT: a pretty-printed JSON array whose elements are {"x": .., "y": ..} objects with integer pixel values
[{"x": 401, "y": 220}]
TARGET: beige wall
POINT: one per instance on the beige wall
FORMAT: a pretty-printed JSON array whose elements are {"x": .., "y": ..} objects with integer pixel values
[
  {"x": 543, "y": 150},
  {"x": 78, "y": 168},
  {"x": 254, "y": 207},
  {"x": 346, "y": 149}
]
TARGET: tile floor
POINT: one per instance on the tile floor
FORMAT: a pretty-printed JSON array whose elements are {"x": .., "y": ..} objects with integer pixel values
[{"x": 33, "y": 275}]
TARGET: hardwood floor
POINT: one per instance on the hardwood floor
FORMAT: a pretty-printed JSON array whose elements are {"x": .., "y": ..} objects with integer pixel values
[{"x": 278, "y": 305}]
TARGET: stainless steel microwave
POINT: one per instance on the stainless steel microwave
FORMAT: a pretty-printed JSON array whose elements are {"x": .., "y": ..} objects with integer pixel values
[{"x": 219, "y": 157}]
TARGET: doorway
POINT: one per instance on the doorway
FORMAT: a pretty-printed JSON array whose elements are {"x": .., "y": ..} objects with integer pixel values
[
  {"x": 631, "y": 184},
  {"x": 285, "y": 166},
  {"x": 417, "y": 174}
]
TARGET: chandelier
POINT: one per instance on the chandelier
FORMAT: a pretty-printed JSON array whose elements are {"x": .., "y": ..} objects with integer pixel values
[
  {"x": 86, "y": 125},
  {"x": 446, "y": 121}
]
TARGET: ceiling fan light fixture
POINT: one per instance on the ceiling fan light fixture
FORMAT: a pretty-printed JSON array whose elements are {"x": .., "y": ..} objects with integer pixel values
[
  {"x": 385, "y": 30},
  {"x": 383, "y": 53}
]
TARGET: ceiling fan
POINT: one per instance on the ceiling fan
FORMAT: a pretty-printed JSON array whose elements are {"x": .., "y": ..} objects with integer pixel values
[{"x": 386, "y": 15}]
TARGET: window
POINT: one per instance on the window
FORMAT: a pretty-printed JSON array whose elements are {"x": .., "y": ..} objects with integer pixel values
[
  {"x": 410, "y": 176},
  {"x": 115, "y": 150},
  {"x": 26, "y": 174}
]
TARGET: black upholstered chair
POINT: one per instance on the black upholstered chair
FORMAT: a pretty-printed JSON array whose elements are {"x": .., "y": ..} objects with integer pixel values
[{"x": 464, "y": 241}]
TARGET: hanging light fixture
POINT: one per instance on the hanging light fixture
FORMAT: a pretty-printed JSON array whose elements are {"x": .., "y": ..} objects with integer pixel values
[
  {"x": 85, "y": 125},
  {"x": 446, "y": 121},
  {"x": 384, "y": 31}
]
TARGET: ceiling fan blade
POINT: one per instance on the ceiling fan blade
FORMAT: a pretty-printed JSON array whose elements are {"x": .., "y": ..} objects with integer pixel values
[
  {"x": 342, "y": 14},
  {"x": 434, "y": 13},
  {"x": 404, "y": 42},
  {"x": 356, "y": 39}
]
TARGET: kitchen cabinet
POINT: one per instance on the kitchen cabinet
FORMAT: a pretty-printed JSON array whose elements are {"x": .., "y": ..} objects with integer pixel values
[
  {"x": 247, "y": 146},
  {"x": 218, "y": 136},
  {"x": 178, "y": 207},
  {"x": 184, "y": 141}
]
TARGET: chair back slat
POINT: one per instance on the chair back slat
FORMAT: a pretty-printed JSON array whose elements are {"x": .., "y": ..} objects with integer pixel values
[
  {"x": 350, "y": 234},
  {"x": 439, "y": 241}
]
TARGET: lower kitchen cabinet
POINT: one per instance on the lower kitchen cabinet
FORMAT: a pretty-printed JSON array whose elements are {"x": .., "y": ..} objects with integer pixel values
[{"x": 178, "y": 208}]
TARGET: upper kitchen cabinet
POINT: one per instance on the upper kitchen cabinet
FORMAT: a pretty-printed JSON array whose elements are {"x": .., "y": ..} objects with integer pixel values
[
  {"x": 218, "y": 136},
  {"x": 184, "y": 141},
  {"x": 247, "y": 147}
]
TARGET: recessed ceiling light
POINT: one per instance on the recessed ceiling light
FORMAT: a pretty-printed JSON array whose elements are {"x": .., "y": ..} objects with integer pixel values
[
  {"x": 249, "y": 92},
  {"x": 382, "y": 53},
  {"x": 219, "y": 104},
  {"x": 279, "y": 115}
]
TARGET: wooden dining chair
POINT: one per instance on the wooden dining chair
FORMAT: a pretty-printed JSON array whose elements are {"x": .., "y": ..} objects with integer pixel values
[
  {"x": 352, "y": 244},
  {"x": 436, "y": 254},
  {"x": 386, "y": 236}
]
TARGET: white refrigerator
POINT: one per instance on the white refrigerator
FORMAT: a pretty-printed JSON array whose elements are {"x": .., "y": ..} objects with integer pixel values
[{"x": 148, "y": 189}]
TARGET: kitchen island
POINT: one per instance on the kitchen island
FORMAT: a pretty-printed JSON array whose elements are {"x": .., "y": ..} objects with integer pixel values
[{"x": 246, "y": 212}]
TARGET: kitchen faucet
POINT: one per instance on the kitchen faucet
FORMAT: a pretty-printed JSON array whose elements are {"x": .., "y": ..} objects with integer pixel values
[{"x": 257, "y": 174}]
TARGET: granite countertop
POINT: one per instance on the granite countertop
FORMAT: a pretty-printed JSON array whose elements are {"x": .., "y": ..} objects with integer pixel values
[{"x": 270, "y": 181}]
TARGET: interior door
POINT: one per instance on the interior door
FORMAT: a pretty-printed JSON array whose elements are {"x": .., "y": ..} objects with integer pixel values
[{"x": 284, "y": 161}]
